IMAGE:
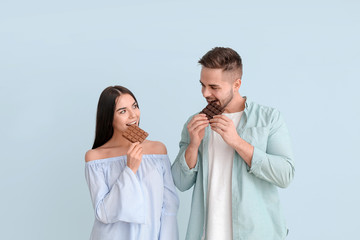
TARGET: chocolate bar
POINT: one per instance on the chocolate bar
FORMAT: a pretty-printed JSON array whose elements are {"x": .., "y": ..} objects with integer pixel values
[
  {"x": 135, "y": 134},
  {"x": 212, "y": 109}
]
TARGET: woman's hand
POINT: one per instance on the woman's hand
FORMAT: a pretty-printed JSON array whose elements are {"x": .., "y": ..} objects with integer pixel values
[{"x": 134, "y": 156}]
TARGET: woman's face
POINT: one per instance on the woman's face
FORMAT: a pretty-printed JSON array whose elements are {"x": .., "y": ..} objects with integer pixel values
[{"x": 126, "y": 112}]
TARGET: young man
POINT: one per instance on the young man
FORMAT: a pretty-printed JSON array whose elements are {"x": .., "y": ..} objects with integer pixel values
[{"x": 235, "y": 161}]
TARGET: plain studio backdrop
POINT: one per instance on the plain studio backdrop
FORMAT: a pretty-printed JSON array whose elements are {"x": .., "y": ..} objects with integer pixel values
[{"x": 301, "y": 57}]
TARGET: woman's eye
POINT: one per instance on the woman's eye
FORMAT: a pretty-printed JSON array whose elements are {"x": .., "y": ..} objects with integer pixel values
[
  {"x": 122, "y": 112},
  {"x": 135, "y": 106}
]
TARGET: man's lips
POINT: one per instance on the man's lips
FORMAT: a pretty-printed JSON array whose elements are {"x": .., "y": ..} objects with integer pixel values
[{"x": 212, "y": 100}]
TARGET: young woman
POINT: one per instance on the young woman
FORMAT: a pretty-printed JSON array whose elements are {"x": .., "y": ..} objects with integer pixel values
[{"x": 130, "y": 184}]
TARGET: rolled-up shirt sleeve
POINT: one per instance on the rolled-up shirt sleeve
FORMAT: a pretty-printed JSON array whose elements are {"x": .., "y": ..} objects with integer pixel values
[
  {"x": 276, "y": 165},
  {"x": 184, "y": 177}
]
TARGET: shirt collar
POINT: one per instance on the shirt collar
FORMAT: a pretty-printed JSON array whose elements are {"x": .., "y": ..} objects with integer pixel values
[{"x": 247, "y": 102}]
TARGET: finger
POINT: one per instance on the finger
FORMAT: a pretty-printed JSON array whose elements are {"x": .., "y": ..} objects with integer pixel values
[
  {"x": 132, "y": 146},
  {"x": 200, "y": 116},
  {"x": 220, "y": 122},
  {"x": 220, "y": 118},
  {"x": 138, "y": 153},
  {"x": 197, "y": 118},
  {"x": 137, "y": 148},
  {"x": 198, "y": 123},
  {"x": 134, "y": 155},
  {"x": 218, "y": 130},
  {"x": 217, "y": 125},
  {"x": 200, "y": 127},
  {"x": 223, "y": 118},
  {"x": 140, "y": 156}
]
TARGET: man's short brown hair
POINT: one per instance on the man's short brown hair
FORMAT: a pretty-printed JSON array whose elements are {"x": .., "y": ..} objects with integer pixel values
[{"x": 223, "y": 58}]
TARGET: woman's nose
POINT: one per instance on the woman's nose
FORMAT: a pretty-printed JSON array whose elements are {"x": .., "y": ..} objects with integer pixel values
[{"x": 132, "y": 113}]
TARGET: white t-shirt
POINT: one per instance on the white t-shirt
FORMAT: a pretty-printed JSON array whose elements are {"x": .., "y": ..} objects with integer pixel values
[{"x": 219, "y": 198}]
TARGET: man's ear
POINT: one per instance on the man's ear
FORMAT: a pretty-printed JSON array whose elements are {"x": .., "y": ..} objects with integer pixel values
[{"x": 237, "y": 84}]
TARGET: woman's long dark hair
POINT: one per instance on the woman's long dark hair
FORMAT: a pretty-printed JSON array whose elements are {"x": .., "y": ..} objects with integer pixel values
[{"x": 105, "y": 113}]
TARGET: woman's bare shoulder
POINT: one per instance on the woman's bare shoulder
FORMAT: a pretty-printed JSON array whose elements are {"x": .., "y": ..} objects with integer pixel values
[
  {"x": 103, "y": 152},
  {"x": 154, "y": 147},
  {"x": 92, "y": 154}
]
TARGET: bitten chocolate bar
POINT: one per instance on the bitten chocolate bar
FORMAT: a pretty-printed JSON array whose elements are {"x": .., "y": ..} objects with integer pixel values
[
  {"x": 212, "y": 109},
  {"x": 135, "y": 134}
]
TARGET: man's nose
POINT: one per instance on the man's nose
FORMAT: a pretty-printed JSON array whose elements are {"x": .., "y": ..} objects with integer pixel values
[{"x": 205, "y": 92}]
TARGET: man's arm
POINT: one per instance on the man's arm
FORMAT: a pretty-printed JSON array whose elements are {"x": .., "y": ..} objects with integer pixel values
[
  {"x": 196, "y": 129},
  {"x": 184, "y": 168},
  {"x": 274, "y": 165},
  {"x": 226, "y": 128}
]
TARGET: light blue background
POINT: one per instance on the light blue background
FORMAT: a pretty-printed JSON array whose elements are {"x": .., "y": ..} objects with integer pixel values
[{"x": 301, "y": 57}]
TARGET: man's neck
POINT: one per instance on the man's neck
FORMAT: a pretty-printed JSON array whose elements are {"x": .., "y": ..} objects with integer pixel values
[{"x": 237, "y": 104}]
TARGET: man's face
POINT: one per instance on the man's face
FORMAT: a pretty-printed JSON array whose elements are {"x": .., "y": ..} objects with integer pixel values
[{"x": 216, "y": 86}]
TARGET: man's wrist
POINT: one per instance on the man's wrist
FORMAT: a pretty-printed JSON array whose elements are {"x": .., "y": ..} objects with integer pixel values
[
  {"x": 193, "y": 147},
  {"x": 236, "y": 143},
  {"x": 191, "y": 155}
]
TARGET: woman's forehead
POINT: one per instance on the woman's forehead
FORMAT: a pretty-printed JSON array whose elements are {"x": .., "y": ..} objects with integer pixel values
[{"x": 124, "y": 100}]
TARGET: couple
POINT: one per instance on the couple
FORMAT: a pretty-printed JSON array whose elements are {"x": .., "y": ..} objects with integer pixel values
[{"x": 235, "y": 161}]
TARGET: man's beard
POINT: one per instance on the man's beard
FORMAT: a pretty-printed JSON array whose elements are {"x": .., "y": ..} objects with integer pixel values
[{"x": 227, "y": 100}]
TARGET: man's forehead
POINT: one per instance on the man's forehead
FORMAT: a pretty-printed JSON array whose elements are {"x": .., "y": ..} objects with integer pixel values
[
  {"x": 209, "y": 82},
  {"x": 211, "y": 71}
]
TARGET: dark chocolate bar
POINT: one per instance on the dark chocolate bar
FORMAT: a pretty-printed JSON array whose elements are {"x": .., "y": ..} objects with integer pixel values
[{"x": 212, "y": 109}]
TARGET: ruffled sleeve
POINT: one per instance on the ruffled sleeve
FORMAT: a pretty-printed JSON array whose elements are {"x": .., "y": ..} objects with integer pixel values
[
  {"x": 123, "y": 201},
  {"x": 169, "y": 225}
]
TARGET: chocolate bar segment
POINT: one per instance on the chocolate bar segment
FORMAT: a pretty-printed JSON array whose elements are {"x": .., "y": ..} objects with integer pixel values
[
  {"x": 212, "y": 109},
  {"x": 135, "y": 134}
]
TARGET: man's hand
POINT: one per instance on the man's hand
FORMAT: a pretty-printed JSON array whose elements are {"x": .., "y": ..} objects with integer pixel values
[
  {"x": 226, "y": 128},
  {"x": 196, "y": 128}
]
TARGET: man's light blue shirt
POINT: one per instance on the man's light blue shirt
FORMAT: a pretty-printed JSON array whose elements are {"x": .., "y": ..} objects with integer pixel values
[{"x": 256, "y": 213}]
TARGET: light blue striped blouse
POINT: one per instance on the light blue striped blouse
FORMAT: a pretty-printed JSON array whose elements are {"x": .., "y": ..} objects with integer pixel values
[{"x": 133, "y": 206}]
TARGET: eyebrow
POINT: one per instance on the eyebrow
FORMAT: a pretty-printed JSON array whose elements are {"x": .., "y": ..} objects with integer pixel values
[
  {"x": 121, "y": 109},
  {"x": 125, "y": 107},
  {"x": 211, "y": 85}
]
